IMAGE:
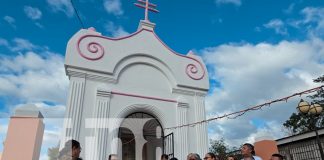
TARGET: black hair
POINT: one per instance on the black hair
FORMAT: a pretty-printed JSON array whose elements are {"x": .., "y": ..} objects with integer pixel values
[
  {"x": 251, "y": 147},
  {"x": 165, "y": 156},
  {"x": 232, "y": 157},
  {"x": 281, "y": 157},
  {"x": 109, "y": 158},
  {"x": 75, "y": 144},
  {"x": 212, "y": 155},
  {"x": 68, "y": 146}
]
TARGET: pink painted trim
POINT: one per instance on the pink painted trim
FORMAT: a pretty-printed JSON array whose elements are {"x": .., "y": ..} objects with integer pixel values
[
  {"x": 144, "y": 97},
  {"x": 95, "y": 47},
  {"x": 191, "y": 69}
]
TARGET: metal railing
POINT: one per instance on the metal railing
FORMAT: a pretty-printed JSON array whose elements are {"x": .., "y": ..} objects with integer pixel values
[
  {"x": 301, "y": 150},
  {"x": 168, "y": 145}
]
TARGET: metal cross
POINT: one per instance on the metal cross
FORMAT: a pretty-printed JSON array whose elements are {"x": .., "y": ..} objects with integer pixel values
[{"x": 147, "y": 6}]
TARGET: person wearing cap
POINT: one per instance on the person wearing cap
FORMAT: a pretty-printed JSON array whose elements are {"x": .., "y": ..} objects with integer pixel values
[{"x": 248, "y": 152}]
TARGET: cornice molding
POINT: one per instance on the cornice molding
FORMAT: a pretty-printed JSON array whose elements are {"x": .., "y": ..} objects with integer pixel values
[{"x": 71, "y": 72}]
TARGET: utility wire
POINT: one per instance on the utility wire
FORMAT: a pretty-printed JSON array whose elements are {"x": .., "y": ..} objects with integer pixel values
[
  {"x": 236, "y": 114},
  {"x": 76, "y": 12}
]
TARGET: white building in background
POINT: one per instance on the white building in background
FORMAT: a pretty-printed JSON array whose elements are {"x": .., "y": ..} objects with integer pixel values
[{"x": 117, "y": 82}]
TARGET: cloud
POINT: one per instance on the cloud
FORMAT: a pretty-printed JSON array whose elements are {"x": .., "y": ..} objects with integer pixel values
[
  {"x": 278, "y": 25},
  {"x": 34, "y": 75},
  {"x": 234, "y": 2},
  {"x": 51, "y": 138},
  {"x": 39, "y": 25},
  {"x": 311, "y": 22},
  {"x": 313, "y": 14},
  {"x": 10, "y": 20},
  {"x": 3, "y": 131},
  {"x": 314, "y": 18},
  {"x": 64, "y": 6},
  {"x": 32, "y": 13},
  {"x": 4, "y": 42},
  {"x": 114, "y": 7},
  {"x": 53, "y": 120},
  {"x": 30, "y": 77},
  {"x": 21, "y": 44},
  {"x": 48, "y": 111},
  {"x": 115, "y": 30},
  {"x": 253, "y": 74},
  {"x": 18, "y": 45},
  {"x": 290, "y": 9}
]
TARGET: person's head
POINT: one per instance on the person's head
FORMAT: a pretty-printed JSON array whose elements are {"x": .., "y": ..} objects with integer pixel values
[
  {"x": 76, "y": 149},
  {"x": 193, "y": 156},
  {"x": 247, "y": 150},
  {"x": 210, "y": 156},
  {"x": 231, "y": 157},
  {"x": 113, "y": 157},
  {"x": 72, "y": 149},
  {"x": 277, "y": 157},
  {"x": 174, "y": 158},
  {"x": 164, "y": 157}
]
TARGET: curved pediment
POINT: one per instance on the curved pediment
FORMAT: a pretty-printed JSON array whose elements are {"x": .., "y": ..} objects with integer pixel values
[{"x": 89, "y": 50}]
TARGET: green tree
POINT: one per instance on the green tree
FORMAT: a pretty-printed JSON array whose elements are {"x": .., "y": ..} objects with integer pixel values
[
  {"x": 219, "y": 148},
  {"x": 53, "y": 153},
  {"x": 300, "y": 123},
  {"x": 319, "y": 96}
]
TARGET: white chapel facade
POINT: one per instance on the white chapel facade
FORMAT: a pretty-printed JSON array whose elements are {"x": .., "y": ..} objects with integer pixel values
[{"x": 134, "y": 77}]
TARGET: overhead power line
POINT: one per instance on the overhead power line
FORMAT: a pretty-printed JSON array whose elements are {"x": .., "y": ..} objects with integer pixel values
[
  {"x": 236, "y": 114},
  {"x": 76, "y": 12}
]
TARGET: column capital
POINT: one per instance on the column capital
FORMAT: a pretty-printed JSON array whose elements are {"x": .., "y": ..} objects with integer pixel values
[
  {"x": 182, "y": 102},
  {"x": 183, "y": 105},
  {"x": 103, "y": 92}
]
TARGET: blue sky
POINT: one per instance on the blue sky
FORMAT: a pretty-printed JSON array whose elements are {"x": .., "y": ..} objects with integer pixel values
[{"x": 254, "y": 50}]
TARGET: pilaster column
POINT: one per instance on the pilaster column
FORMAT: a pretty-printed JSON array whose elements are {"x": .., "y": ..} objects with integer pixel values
[
  {"x": 74, "y": 109},
  {"x": 201, "y": 129},
  {"x": 99, "y": 126},
  {"x": 181, "y": 146}
]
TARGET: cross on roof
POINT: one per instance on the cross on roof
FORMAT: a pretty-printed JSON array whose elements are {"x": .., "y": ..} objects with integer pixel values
[{"x": 147, "y": 6}]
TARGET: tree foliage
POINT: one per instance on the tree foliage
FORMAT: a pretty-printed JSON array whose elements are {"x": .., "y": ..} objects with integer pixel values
[
  {"x": 53, "y": 153},
  {"x": 219, "y": 148},
  {"x": 300, "y": 123},
  {"x": 319, "y": 96}
]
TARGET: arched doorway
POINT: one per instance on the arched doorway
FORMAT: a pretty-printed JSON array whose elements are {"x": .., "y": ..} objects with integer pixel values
[{"x": 141, "y": 136}]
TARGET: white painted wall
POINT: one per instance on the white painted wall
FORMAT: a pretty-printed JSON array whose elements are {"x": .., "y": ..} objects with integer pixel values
[{"x": 112, "y": 78}]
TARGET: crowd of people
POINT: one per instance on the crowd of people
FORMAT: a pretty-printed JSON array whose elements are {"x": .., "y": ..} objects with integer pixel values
[{"x": 72, "y": 150}]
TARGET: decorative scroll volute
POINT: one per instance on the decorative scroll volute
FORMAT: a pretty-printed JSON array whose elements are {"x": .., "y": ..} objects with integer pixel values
[{"x": 89, "y": 49}]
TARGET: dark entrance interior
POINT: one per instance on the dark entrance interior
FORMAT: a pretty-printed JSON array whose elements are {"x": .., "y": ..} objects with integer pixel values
[{"x": 151, "y": 130}]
